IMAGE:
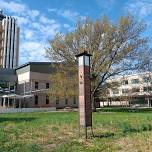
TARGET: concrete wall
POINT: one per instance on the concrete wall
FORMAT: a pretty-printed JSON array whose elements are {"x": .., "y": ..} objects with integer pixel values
[{"x": 11, "y": 110}]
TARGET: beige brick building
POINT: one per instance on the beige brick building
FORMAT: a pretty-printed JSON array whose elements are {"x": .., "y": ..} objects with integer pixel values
[
  {"x": 130, "y": 89},
  {"x": 31, "y": 84}
]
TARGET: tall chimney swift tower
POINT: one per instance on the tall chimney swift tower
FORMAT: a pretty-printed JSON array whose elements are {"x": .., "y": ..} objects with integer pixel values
[
  {"x": 85, "y": 110},
  {"x": 9, "y": 43}
]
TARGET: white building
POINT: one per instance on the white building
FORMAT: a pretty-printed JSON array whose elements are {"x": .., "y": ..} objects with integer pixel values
[{"x": 131, "y": 88}]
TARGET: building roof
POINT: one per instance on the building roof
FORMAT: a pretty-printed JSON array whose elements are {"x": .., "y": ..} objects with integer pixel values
[
  {"x": 40, "y": 67},
  {"x": 33, "y": 63}
]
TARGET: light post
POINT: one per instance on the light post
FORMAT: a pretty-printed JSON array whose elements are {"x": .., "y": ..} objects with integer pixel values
[{"x": 85, "y": 110}]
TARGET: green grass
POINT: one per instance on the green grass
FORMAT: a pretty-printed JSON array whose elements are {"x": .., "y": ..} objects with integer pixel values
[{"x": 57, "y": 132}]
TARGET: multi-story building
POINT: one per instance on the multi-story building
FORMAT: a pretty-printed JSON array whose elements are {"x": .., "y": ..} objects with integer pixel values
[
  {"x": 9, "y": 43},
  {"x": 129, "y": 89},
  {"x": 28, "y": 86}
]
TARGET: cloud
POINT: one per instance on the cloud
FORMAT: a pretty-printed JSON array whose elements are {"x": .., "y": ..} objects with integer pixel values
[
  {"x": 45, "y": 20},
  {"x": 28, "y": 34},
  {"x": 35, "y": 29},
  {"x": 142, "y": 8},
  {"x": 68, "y": 14},
  {"x": 71, "y": 15},
  {"x": 68, "y": 27},
  {"x": 22, "y": 20},
  {"x": 32, "y": 51},
  {"x": 13, "y": 6}
]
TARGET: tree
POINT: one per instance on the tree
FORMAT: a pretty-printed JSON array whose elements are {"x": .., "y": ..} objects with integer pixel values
[
  {"x": 116, "y": 48},
  {"x": 64, "y": 80}
]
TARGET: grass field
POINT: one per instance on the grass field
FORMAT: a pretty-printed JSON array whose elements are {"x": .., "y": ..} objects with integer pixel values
[{"x": 57, "y": 132}]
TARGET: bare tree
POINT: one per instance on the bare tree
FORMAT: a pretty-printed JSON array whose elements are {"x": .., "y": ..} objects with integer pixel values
[{"x": 116, "y": 48}]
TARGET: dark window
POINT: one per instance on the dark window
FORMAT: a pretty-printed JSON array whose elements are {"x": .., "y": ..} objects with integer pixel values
[
  {"x": 124, "y": 82},
  {"x": 115, "y": 91},
  {"x": 66, "y": 101},
  {"x": 147, "y": 79},
  {"x": 134, "y": 90},
  {"x": 47, "y": 99},
  {"x": 74, "y": 100},
  {"x": 36, "y": 85},
  {"x": 36, "y": 100},
  {"x": 125, "y": 91},
  {"x": 147, "y": 89},
  {"x": 57, "y": 100},
  {"x": 47, "y": 85},
  {"x": 135, "y": 81}
]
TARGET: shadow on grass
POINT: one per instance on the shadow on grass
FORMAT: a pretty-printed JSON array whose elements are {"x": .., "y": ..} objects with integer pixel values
[
  {"x": 104, "y": 135},
  {"x": 124, "y": 109},
  {"x": 16, "y": 120},
  {"x": 126, "y": 129}
]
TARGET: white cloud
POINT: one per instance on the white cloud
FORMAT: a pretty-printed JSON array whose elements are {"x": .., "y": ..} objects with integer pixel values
[
  {"x": 46, "y": 20},
  {"x": 32, "y": 51},
  {"x": 35, "y": 29},
  {"x": 34, "y": 13},
  {"x": 12, "y": 6},
  {"x": 68, "y": 27},
  {"x": 68, "y": 14},
  {"x": 22, "y": 20},
  {"x": 71, "y": 15},
  {"x": 142, "y": 8},
  {"x": 28, "y": 34}
]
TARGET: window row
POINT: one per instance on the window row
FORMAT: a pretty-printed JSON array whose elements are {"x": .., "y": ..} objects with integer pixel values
[
  {"x": 47, "y": 85},
  {"x": 133, "y": 90},
  {"x": 136, "y": 81},
  {"x": 66, "y": 101},
  {"x": 36, "y": 99}
]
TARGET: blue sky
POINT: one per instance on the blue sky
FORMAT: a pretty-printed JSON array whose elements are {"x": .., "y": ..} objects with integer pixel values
[{"x": 40, "y": 20}]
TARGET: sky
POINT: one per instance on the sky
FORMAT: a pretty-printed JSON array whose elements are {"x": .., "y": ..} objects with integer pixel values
[{"x": 40, "y": 20}]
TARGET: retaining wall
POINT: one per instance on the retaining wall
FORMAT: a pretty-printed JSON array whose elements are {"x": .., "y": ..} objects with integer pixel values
[{"x": 17, "y": 110}]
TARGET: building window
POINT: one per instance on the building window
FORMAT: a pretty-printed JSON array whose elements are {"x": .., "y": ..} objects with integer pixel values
[
  {"x": 57, "y": 100},
  {"x": 74, "y": 100},
  {"x": 36, "y": 100},
  {"x": 47, "y": 99},
  {"x": 147, "y": 89},
  {"x": 36, "y": 85},
  {"x": 124, "y": 91},
  {"x": 134, "y": 90},
  {"x": 66, "y": 101},
  {"x": 47, "y": 85},
  {"x": 135, "y": 81},
  {"x": 147, "y": 79},
  {"x": 124, "y": 82},
  {"x": 115, "y": 91}
]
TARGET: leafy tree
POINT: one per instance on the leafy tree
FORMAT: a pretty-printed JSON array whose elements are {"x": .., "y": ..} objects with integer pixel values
[
  {"x": 64, "y": 80},
  {"x": 116, "y": 48}
]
